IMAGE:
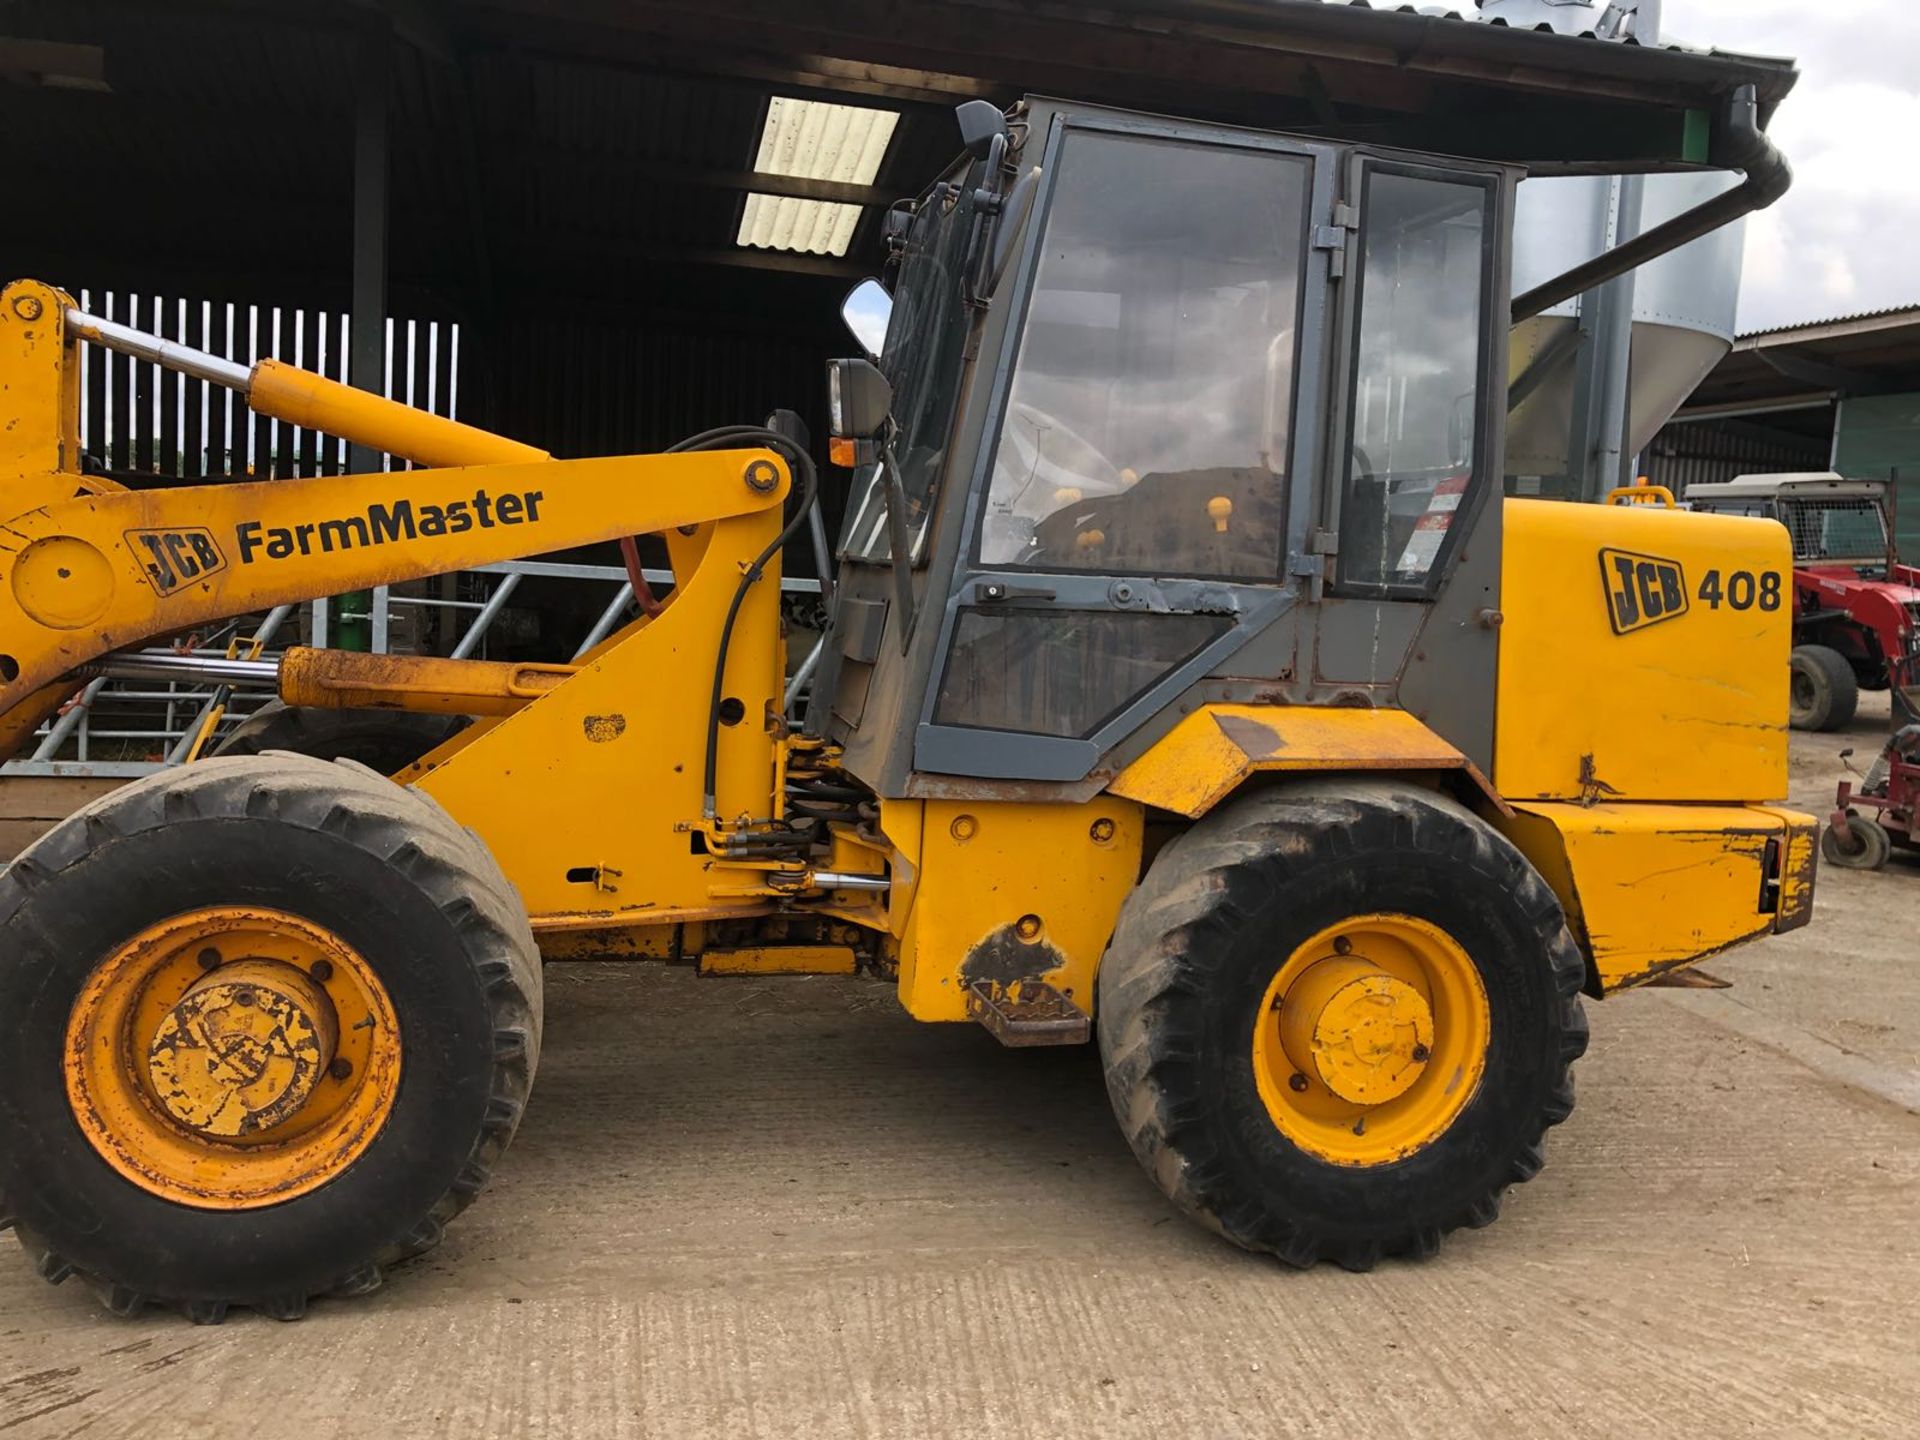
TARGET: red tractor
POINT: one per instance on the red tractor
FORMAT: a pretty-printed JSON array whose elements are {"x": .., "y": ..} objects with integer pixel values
[{"x": 1856, "y": 609}]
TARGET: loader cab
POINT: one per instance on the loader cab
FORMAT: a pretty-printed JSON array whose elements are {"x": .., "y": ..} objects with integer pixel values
[{"x": 1179, "y": 412}]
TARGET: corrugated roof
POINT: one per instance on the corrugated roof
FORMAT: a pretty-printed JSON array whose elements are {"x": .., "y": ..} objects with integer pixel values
[
  {"x": 1500, "y": 22},
  {"x": 814, "y": 140},
  {"x": 577, "y": 147},
  {"x": 1892, "y": 315}
]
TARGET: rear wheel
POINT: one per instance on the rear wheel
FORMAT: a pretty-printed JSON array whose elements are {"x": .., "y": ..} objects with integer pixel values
[
  {"x": 1824, "y": 692},
  {"x": 1338, "y": 1019},
  {"x": 271, "y": 1023},
  {"x": 1868, "y": 847},
  {"x": 383, "y": 740}
]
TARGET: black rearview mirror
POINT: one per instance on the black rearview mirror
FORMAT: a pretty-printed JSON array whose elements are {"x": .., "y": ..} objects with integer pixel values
[
  {"x": 858, "y": 399},
  {"x": 867, "y": 309},
  {"x": 981, "y": 123}
]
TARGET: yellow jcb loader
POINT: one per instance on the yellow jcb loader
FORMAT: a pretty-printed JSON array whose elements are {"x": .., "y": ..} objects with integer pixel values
[{"x": 1190, "y": 687}]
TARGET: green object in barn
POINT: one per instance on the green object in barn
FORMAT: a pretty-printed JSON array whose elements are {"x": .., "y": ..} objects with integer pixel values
[{"x": 1876, "y": 435}]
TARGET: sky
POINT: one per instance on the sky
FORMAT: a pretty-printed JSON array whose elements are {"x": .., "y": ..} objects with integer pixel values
[{"x": 1847, "y": 236}]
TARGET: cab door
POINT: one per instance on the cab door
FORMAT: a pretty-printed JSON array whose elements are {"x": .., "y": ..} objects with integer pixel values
[{"x": 1141, "y": 507}]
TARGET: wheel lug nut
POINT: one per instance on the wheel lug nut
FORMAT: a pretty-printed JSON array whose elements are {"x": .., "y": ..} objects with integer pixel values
[
  {"x": 341, "y": 1068},
  {"x": 1298, "y": 1082},
  {"x": 1342, "y": 945},
  {"x": 209, "y": 958},
  {"x": 322, "y": 971}
]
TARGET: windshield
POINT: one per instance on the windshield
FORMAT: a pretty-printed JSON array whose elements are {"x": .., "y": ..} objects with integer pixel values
[
  {"x": 925, "y": 350},
  {"x": 1852, "y": 529},
  {"x": 1147, "y": 426}
]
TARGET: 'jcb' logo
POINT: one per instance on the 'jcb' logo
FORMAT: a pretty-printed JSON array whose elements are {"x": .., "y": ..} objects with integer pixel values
[
  {"x": 170, "y": 558},
  {"x": 1642, "y": 590}
]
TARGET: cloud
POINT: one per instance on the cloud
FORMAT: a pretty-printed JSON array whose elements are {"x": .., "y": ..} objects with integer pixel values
[{"x": 1847, "y": 236}]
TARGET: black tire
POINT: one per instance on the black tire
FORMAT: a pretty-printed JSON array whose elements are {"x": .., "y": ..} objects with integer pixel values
[
  {"x": 387, "y": 871},
  {"x": 383, "y": 740},
  {"x": 1871, "y": 848},
  {"x": 1182, "y": 986},
  {"x": 1825, "y": 693}
]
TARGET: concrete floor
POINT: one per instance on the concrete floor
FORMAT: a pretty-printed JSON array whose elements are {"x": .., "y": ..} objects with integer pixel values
[{"x": 752, "y": 1207}]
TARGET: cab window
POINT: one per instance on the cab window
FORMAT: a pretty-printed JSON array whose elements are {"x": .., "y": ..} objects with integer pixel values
[
  {"x": 1411, "y": 460},
  {"x": 1147, "y": 426}
]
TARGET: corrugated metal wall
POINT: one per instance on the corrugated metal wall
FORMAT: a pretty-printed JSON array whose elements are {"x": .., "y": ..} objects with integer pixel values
[
  {"x": 1706, "y": 452},
  {"x": 592, "y": 384}
]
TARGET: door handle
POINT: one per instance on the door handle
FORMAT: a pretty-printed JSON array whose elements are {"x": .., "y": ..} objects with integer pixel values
[{"x": 997, "y": 592}]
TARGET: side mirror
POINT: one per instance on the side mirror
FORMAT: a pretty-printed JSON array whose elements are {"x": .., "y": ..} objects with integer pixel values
[
  {"x": 867, "y": 309},
  {"x": 981, "y": 123},
  {"x": 859, "y": 399}
]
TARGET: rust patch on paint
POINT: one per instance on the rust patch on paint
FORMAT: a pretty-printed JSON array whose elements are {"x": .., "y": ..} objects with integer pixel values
[{"x": 602, "y": 728}]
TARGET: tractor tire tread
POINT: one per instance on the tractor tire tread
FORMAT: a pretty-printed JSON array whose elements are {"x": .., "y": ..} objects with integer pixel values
[
  {"x": 393, "y": 738},
  {"x": 1836, "y": 687},
  {"x": 384, "y": 819},
  {"x": 1154, "y": 958}
]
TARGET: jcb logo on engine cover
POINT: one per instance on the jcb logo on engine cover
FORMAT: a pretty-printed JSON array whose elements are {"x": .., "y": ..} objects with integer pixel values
[
  {"x": 170, "y": 558},
  {"x": 1642, "y": 590}
]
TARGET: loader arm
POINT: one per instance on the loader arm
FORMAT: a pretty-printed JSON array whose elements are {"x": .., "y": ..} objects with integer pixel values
[{"x": 104, "y": 567}]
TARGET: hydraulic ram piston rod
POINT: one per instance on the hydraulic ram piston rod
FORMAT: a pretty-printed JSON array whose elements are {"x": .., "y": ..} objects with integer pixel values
[
  {"x": 285, "y": 392},
  {"x": 187, "y": 669}
]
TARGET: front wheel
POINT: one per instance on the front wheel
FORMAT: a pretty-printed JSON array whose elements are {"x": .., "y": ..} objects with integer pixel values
[
  {"x": 270, "y": 1024},
  {"x": 1338, "y": 1018}
]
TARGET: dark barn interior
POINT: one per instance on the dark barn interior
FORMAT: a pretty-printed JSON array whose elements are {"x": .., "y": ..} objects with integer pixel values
[{"x": 565, "y": 180}]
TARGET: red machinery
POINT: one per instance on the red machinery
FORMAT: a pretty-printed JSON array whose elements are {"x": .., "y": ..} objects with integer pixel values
[
  {"x": 1861, "y": 841},
  {"x": 1856, "y": 609}
]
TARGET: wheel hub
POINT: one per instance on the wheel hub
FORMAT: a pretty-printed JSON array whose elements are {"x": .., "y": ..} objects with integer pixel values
[
  {"x": 243, "y": 1049},
  {"x": 232, "y": 1057},
  {"x": 1361, "y": 1032},
  {"x": 1371, "y": 1038}
]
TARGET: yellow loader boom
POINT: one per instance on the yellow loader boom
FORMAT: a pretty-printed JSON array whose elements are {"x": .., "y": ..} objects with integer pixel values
[{"x": 92, "y": 567}]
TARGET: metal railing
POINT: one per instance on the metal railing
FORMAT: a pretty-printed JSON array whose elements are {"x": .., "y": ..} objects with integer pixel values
[{"x": 131, "y": 726}]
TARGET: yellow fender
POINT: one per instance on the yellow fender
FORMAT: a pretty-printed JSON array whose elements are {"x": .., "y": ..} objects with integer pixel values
[{"x": 1211, "y": 753}]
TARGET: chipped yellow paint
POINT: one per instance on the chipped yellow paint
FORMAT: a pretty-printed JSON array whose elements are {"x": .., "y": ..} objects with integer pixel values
[
  {"x": 986, "y": 866},
  {"x": 232, "y": 1058},
  {"x": 356, "y": 679},
  {"x": 40, "y": 439},
  {"x": 780, "y": 960},
  {"x": 1689, "y": 703},
  {"x": 244, "y": 1048},
  {"x": 1650, "y": 888},
  {"x": 1206, "y": 756}
]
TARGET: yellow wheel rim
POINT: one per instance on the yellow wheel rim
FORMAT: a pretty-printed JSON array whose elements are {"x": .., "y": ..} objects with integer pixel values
[
  {"x": 232, "y": 1058},
  {"x": 1371, "y": 1039}
]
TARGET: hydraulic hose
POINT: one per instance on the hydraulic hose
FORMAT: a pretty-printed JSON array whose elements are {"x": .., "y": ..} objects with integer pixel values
[{"x": 735, "y": 437}]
